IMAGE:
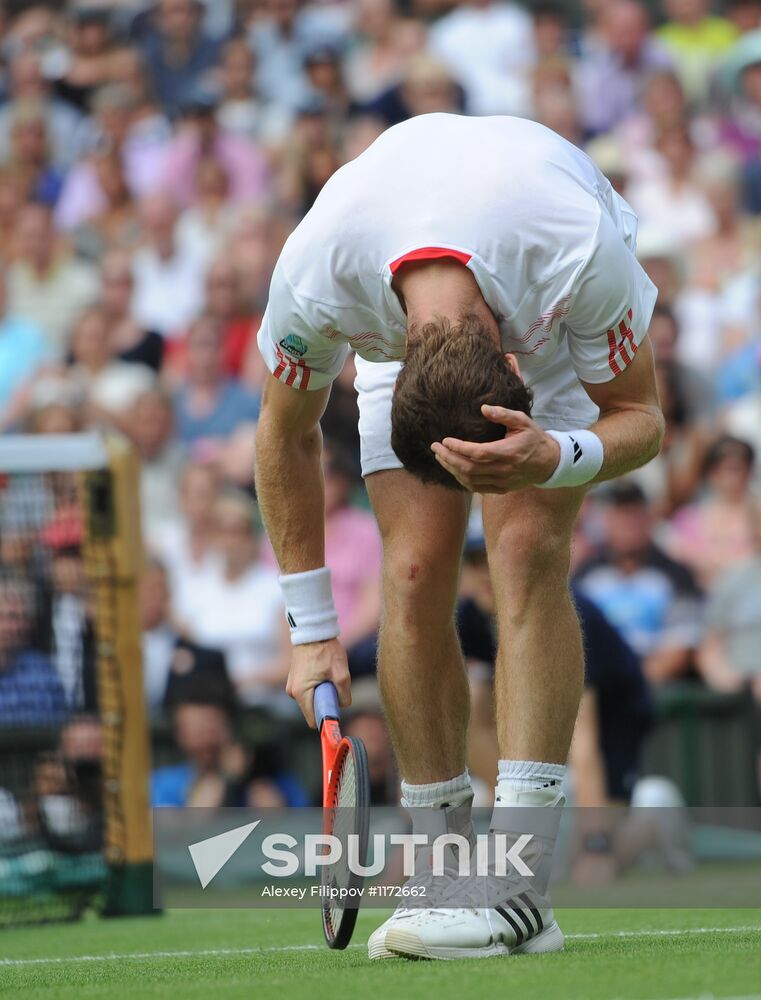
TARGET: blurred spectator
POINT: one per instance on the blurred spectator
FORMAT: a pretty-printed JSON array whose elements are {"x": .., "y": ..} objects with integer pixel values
[
  {"x": 31, "y": 693},
  {"x": 673, "y": 198},
  {"x": 212, "y": 771},
  {"x": 47, "y": 285},
  {"x": 217, "y": 769},
  {"x": 66, "y": 795},
  {"x": 309, "y": 161},
  {"x": 12, "y": 196},
  {"x": 489, "y": 46},
  {"x": 170, "y": 663},
  {"x": 88, "y": 51},
  {"x": 159, "y": 635},
  {"x": 742, "y": 418},
  {"x": 115, "y": 224},
  {"x": 697, "y": 40},
  {"x": 168, "y": 277},
  {"x": 618, "y": 56},
  {"x": 341, "y": 417},
  {"x": 129, "y": 340},
  {"x": 688, "y": 404},
  {"x": 150, "y": 424},
  {"x": 383, "y": 43},
  {"x": 662, "y": 259},
  {"x": 241, "y": 110},
  {"x": 280, "y": 35},
  {"x": 199, "y": 138},
  {"x": 186, "y": 546},
  {"x": 327, "y": 85},
  {"x": 427, "y": 87},
  {"x": 727, "y": 251},
  {"x": 653, "y": 600},
  {"x": 109, "y": 385},
  {"x": 239, "y": 609},
  {"x": 696, "y": 393},
  {"x": 66, "y": 611},
  {"x": 740, "y": 131},
  {"x": 203, "y": 228},
  {"x": 65, "y": 130},
  {"x": 744, "y": 14},
  {"x": 716, "y": 531},
  {"x": 30, "y": 155},
  {"x": 614, "y": 715},
  {"x": 23, "y": 350},
  {"x": 128, "y": 132},
  {"x": 663, "y": 106},
  {"x": 730, "y": 657},
  {"x": 552, "y": 31},
  {"x": 177, "y": 51},
  {"x": 209, "y": 406},
  {"x": 352, "y": 549},
  {"x": 226, "y": 304}
]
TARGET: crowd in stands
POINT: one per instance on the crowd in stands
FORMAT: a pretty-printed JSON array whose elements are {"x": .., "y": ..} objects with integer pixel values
[{"x": 154, "y": 157}]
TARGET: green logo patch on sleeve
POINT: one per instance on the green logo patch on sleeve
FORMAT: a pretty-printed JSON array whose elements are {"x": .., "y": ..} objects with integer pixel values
[{"x": 294, "y": 345}]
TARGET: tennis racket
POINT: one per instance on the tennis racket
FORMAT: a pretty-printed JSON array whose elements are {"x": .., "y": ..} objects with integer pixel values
[{"x": 345, "y": 803}]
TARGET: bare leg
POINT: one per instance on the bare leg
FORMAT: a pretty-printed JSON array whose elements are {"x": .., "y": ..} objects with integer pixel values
[
  {"x": 420, "y": 666},
  {"x": 540, "y": 664}
]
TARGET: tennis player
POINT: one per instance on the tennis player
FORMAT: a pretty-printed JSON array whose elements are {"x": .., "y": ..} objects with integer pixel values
[{"x": 483, "y": 271}]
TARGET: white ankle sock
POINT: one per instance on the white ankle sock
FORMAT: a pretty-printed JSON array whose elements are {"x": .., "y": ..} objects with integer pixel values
[
  {"x": 544, "y": 781},
  {"x": 439, "y": 793}
]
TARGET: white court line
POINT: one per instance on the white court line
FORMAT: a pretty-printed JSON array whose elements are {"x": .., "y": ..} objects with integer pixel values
[
  {"x": 712, "y": 996},
  {"x": 232, "y": 952}
]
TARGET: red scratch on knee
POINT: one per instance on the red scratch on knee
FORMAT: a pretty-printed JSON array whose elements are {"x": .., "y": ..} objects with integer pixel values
[{"x": 414, "y": 570}]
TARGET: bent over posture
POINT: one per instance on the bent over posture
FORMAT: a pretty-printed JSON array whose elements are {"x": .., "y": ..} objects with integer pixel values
[{"x": 483, "y": 270}]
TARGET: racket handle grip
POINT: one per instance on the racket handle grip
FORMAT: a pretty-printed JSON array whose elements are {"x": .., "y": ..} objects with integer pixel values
[{"x": 325, "y": 703}]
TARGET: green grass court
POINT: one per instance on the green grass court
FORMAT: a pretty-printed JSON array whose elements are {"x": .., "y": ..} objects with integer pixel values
[{"x": 610, "y": 955}]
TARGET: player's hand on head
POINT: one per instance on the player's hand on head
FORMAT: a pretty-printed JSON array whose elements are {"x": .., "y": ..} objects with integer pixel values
[
  {"x": 525, "y": 456},
  {"x": 313, "y": 663}
]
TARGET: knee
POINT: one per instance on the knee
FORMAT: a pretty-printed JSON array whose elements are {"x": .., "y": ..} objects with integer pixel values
[
  {"x": 531, "y": 558},
  {"x": 419, "y": 584}
]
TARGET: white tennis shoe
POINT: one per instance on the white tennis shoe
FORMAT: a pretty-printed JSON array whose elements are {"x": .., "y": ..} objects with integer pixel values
[
  {"x": 471, "y": 933},
  {"x": 376, "y": 943}
]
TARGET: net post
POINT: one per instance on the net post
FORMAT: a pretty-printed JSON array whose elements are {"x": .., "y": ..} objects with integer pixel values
[{"x": 115, "y": 546}]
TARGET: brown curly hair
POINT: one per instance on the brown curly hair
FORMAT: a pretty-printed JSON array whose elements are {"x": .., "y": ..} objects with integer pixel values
[{"x": 450, "y": 371}]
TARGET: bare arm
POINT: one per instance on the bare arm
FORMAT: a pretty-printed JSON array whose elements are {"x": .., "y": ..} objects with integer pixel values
[
  {"x": 715, "y": 666},
  {"x": 666, "y": 664},
  {"x": 631, "y": 424},
  {"x": 630, "y": 427},
  {"x": 291, "y": 497},
  {"x": 289, "y": 483}
]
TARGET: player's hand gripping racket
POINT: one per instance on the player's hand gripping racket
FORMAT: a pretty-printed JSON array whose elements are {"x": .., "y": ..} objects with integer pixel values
[{"x": 345, "y": 802}]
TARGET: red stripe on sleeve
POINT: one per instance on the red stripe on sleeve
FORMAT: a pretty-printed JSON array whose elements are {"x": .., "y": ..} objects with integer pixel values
[
  {"x": 612, "y": 348},
  {"x": 281, "y": 363}
]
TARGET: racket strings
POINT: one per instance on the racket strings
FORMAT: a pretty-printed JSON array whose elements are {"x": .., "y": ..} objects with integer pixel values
[{"x": 344, "y": 824}]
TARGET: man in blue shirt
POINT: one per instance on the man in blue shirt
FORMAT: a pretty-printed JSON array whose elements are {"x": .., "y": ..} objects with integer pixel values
[
  {"x": 209, "y": 406},
  {"x": 31, "y": 693}
]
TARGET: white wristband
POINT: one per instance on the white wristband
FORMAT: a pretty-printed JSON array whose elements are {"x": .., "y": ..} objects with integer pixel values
[
  {"x": 309, "y": 606},
  {"x": 581, "y": 458}
]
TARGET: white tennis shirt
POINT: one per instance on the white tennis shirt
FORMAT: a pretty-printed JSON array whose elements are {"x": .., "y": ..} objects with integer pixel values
[{"x": 549, "y": 242}]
